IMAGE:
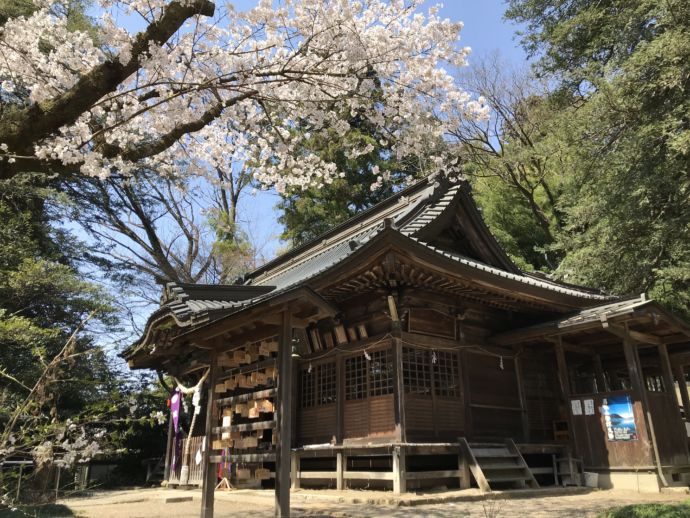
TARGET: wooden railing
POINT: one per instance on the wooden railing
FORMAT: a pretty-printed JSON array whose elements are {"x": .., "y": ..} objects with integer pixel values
[{"x": 195, "y": 470}]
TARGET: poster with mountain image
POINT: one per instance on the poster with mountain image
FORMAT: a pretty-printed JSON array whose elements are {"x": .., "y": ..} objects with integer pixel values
[{"x": 619, "y": 418}]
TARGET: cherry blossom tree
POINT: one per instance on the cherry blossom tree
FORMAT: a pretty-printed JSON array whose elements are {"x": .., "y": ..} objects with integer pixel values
[{"x": 200, "y": 81}]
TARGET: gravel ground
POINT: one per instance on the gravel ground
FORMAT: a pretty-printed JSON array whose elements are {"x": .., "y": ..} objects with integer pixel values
[{"x": 151, "y": 503}]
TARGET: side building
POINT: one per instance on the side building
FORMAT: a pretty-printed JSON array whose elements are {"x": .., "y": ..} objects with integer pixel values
[{"x": 404, "y": 349}]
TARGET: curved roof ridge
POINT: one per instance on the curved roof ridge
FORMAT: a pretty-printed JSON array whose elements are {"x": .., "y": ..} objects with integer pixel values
[
  {"x": 520, "y": 277},
  {"x": 399, "y": 204}
]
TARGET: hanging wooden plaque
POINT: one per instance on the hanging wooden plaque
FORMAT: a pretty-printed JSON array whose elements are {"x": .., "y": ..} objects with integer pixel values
[{"x": 262, "y": 474}]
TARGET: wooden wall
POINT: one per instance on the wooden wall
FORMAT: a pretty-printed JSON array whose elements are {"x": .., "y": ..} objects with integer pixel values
[
  {"x": 493, "y": 396},
  {"x": 317, "y": 425},
  {"x": 592, "y": 444},
  {"x": 669, "y": 429},
  {"x": 542, "y": 396},
  {"x": 373, "y": 417}
]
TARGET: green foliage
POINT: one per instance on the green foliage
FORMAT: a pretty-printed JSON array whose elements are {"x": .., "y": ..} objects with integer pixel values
[
  {"x": 60, "y": 395},
  {"x": 42, "y": 298},
  {"x": 649, "y": 511},
  {"x": 15, "y": 8},
  {"x": 511, "y": 222},
  {"x": 623, "y": 69}
]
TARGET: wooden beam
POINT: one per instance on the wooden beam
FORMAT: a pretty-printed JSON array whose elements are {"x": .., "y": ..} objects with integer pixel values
[
  {"x": 246, "y": 427},
  {"x": 245, "y": 457},
  {"x": 168, "y": 449},
  {"x": 368, "y": 475},
  {"x": 339, "y": 398},
  {"x": 399, "y": 470},
  {"x": 427, "y": 475},
  {"x": 340, "y": 465},
  {"x": 243, "y": 398},
  {"x": 209, "y": 468},
  {"x": 563, "y": 379},
  {"x": 437, "y": 341},
  {"x": 671, "y": 390},
  {"x": 624, "y": 333},
  {"x": 466, "y": 393},
  {"x": 399, "y": 409},
  {"x": 523, "y": 398},
  {"x": 666, "y": 372},
  {"x": 294, "y": 471},
  {"x": 284, "y": 419},
  {"x": 474, "y": 466},
  {"x": 679, "y": 373},
  {"x": 635, "y": 370},
  {"x": 599, "y": 374},
  {"x": 564, "y": 382},
  {"x": 251, "y": 367}
]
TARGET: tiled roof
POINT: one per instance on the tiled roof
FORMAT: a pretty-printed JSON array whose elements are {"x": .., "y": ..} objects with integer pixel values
[
  {"x": 524, "y": 278},
  {"x": 194, "y": 303},
  {"x": 408, "y": 212},
  {"x": 585, "y": 318}
]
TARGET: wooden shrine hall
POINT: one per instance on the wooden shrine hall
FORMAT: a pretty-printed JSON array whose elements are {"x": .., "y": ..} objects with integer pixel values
[{"x": 403, "y": 349}]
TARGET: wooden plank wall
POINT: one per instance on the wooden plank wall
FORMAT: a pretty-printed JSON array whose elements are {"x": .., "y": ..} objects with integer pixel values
[
  {"x": 317, "y": 424},
  {"x": 593, "y": 445},
  {"x": 370, "y": 417},
  {"x": 494, "y": 398},
  {"x": 442, "y": 419},
  {"x": 544, "y": 405},
  {"x": 670, "y": 431}
]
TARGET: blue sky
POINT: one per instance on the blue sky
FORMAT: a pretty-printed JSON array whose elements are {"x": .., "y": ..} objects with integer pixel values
[{"x": 485, "y": 31}]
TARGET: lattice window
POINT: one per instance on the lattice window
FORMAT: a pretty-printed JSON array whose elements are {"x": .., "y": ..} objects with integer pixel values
[
  {"x": 655, "y": 383},
  {"x": 319, "y": 385},
  {"x": 308, "y": 388},
  {"x": 416, "y": 371},
  {"x": 356, "y": 377},
  {"x": 326, "y": 383},
  {"x": 381, "y": 373},
  {"x": 446, "y": 374}
]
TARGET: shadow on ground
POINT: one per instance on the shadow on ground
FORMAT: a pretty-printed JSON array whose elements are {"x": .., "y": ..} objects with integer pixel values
[{"x": 38, "y": 511}]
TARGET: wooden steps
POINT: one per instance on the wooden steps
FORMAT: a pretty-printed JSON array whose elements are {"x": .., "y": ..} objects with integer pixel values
[{"x": 497, "y": 465}]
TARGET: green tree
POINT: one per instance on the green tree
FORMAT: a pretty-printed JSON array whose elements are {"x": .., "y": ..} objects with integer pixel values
[
  {"x": 623, "y": 67},
  {"x": 515, "y": 160}
]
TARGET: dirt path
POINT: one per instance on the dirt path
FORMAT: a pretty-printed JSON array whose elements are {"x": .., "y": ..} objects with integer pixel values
[{"x": 151, "y": 503}]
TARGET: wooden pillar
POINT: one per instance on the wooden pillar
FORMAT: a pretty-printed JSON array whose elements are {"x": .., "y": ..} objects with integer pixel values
[
  {"x": 341, "y": 462},
  {"x": 339, "y": 398},
  {"x": 564, "y": 383},
  {"x": 635, "y": 370},
  {"x": 523, "y": 398},
  {"x": 563, "y": 380},
  {"x": 670, "y": 387},
  {"x": 599, "y": 374},
  {"x": 294, "y": 401},
  {"x": 666, "y": 373},
  {"x": 168, "y": 449},
  {"x": 294, "y": 471},
  {"x": 209, "y": 470},
  {"x": 464, "y": 468},
  {"x": 399, "y": 386},
  {"x": 399, "y": 470},
  {"x": 284, "y": 419},
  {"x": 466, "y": 393},
  {"x": 679, "y": 373}
]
